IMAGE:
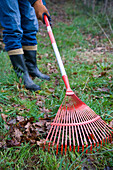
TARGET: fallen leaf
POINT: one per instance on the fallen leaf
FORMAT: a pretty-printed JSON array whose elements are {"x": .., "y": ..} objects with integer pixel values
[
  {"x": 0, "y": 144},
  {"x": 74, "y": 73},
  {"x": 17, "y": 134},
  {"x": 111, "y": 123},
  {"x": 44, "y": 110},
  {"x": 6, "y": 126},
  {"x": 48, "y": 126},
  {"x": 20, "y": 118},
  {"x": 100, "y": 48},
  {"x": 103, "y": 89},
  {"x": 1, "y": 109},
  {"x": 11, "y": 122},
  {"x": 40, "y": 143},
  {"x": 3, "y": 144},
  {"x": 39, "y": 124},
  {"x": 23, "y": 129},
  {"x": 12, "y": 142},
  {"x": 4, "y": 117},
  {"x": 39, "y": 57},
  {"x": 89, "y": 37},
  {"x": 102, "y": 74},
  {"x": 47, "y": 118},
  {"x": 27, "y": 127},
  {"x": 50, "y": 90}
]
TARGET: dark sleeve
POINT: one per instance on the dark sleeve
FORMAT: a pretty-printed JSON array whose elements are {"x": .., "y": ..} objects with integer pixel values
[
  {"x": 32, "y": 1},
  {"x": 44, "y": 3}
]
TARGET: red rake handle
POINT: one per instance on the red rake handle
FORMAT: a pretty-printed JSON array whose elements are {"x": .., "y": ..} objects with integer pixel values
[
  {"x": 57, "y": 54},
  {"x": 53, "y": 42},
  {"x": 58, "y": 57}
]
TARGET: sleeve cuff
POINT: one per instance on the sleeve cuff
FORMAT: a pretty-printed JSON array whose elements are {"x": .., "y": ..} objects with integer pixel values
[{"x": 32, "y": 2}]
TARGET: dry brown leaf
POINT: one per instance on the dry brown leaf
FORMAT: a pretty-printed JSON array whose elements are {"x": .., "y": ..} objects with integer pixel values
[
  {"x": 39, "y": 57},
  {"x": 40, "y": 143},
  {"x": 47, "y": 118},
  {"x": 50, "y": 90},
  {"x": 39, "y": 124},
  {"x": 103, "y": 89},
  {"x": 102, "y": 74},
  {"x": 11, "y": 122},
  {"x": 12, "y": 142},
  {"x": 17, "y": 134},
  {"x": 6, "y": 126},
  {"x": 27, "y": 127},
  {"x": 3, "y": 144},
  {"x": 48, "y": 126},
  {"x": 89, "y": 37},
  {"x": 111, "y": 123},
  {"x": 100, "y": 49},
  {"x": 20, "y": 118},
  {"x": 1, "y": 109},
  {"x": 4, "y": 117},
  {"x": 74, "y": 73},
  {"x": 22, "y": 129}
]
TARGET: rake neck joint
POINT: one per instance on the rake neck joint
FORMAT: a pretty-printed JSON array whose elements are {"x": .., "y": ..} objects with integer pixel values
[
  {"x": 66, "y": 82},
  {"x": 69, "y": 92}
]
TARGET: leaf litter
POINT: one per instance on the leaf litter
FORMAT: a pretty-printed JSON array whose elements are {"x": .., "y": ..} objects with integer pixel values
[{"x": 22, "y": 129}]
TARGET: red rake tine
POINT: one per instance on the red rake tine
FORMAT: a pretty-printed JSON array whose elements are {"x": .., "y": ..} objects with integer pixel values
[
  {"x": 59, "y": 132},
  {"x": 47, "y": 138},
  {"x": 87, "y": 130},
  {"x": 72, "y": 120},
  {"x": 68, "y": 115},
  {"x": 87, "y": 135},
  {"x": 56, "y": 122},
  {"x": 63, "y": 136},
  {"x": 76, "y": 118},
  {"x": 95, "y": 132},
  {"x": 66, "y": 133}
]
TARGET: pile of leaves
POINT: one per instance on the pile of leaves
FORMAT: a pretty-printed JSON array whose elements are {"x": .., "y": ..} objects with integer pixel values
[{"x": 21, "y": 129}]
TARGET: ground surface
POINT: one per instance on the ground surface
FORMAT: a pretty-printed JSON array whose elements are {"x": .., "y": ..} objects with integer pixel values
[{"x": 85, "y": 43}]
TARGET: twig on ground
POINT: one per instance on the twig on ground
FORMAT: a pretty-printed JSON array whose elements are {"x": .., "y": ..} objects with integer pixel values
[
  {"x": 103, "y": 31},
  {"x": 109, "y": 24},
  {"x": 86, "y": 83}
]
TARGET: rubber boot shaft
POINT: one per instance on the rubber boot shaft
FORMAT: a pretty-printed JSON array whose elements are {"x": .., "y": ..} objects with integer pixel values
[
  {"x": 31, "y": 63},
  {"x": 21, "y": 71}
]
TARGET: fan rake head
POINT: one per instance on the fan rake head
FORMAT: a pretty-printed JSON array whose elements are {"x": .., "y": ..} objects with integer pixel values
[{"x": 76, "y": 125}]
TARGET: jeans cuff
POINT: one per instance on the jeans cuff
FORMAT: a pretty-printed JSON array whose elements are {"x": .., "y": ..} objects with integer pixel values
[
  {"x": 16, "y": 51},
  {"x": 30, "y": 48}
]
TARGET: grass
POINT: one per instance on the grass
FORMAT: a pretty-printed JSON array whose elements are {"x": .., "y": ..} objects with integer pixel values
[{"x": 90, "y": 76}]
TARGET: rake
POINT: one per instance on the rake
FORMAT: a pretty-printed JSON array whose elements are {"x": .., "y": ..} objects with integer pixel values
[{"x": 76, "y": 125}]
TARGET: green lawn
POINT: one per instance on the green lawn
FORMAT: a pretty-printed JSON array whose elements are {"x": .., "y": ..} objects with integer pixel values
[{"x": 87, "y": 54}]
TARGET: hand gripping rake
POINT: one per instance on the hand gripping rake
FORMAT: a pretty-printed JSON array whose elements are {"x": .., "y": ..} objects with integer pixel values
[{"x": 75, "y": 123}]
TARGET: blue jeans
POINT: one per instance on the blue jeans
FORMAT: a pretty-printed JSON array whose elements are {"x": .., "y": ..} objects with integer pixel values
[{"x": 20, "y": 24}]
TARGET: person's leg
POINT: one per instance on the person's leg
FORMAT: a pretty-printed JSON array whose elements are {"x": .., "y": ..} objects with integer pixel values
[
  {"x": 10, "y": 20},
  {"x": 29, "y": 41},
  {"x": 12, "y": 36}
]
